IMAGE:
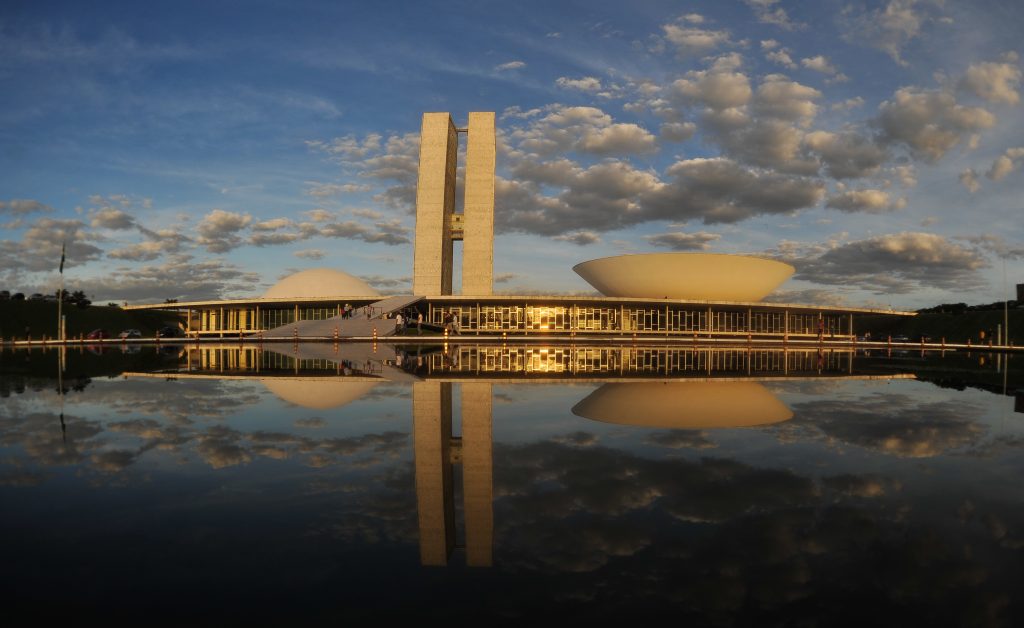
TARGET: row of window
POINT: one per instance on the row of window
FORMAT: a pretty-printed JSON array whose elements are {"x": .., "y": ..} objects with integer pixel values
[
  {"x": 527, "y": 318},
  {"x": 539, "y": 360},
  {"x": 598, "y": 360},
  {"x": 566, "y": 318}
]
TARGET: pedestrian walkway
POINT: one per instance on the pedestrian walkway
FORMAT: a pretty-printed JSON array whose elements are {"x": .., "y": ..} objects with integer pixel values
[{"x": 364, "y": 322}]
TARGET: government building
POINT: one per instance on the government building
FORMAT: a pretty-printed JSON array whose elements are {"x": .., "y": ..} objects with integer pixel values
[{"x": 671, "y": 295}]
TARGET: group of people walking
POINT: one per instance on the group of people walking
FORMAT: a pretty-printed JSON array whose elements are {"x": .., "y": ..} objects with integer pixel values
[{"x": 408, "y": 318}]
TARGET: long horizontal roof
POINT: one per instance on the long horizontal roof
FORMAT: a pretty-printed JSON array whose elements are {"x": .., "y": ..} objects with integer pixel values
[{"x": 532, "y": 299}]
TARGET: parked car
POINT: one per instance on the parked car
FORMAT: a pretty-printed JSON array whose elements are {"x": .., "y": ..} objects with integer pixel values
[
  {"x": 901, "y": 338},
  {"x": 5, "y": 295},
  {"x": 130, "y": 333},
  {"x": 167, "y": 332},
  {"x": 18, "y": 296},
  {"x": 35, "y": 297},
  {"x": 98, "y": 334}
]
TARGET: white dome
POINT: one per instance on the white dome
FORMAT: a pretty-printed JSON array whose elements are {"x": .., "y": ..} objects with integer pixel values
[
  {"x": 691, "y": 276},
  {"x": 320, "y": 282}
]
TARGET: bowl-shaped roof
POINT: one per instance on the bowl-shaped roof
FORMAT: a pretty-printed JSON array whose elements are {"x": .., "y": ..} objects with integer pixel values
[
  {"x": 684, "y": 405},
  {"x": 691, "y": 276},
  {"x": 320, "y": 282}
]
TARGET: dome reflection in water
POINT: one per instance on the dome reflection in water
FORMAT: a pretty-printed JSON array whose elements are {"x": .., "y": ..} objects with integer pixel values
[{"x": 684, "y": 405}]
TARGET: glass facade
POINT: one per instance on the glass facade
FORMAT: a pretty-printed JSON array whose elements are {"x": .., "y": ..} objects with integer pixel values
[
  {"x": 234, "y": 320},
  {"x": 637, "y": 319},
  {"x": 686, "y": 320},
  {"x": 636, "y": 361}
]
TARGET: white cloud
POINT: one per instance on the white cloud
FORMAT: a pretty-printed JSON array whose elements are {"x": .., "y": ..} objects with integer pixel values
[
  {"x": 994, "y": 82},
  {"x": 22, "y": 206},
  {"x": 781, "y": 56},
  {"x": 324, "y": 190},
  {"x": 847, "y": 154},
  {"x": 141, "y": 252},
  {"x": 1001, "y": 167},
  {"x": 890, "y": 28},
  {"x": 996, "y": 245},
  {"x": 723, "y": 191},
  {"x": 310, "y": 254},
  {"x": 510, "y": 65},
  {"x": 385, "y": 232},
  {"x": 618, "y": 139},
  {"x": 691, "y": 40},
  {"x": 679, "y": 241},
  {"x": 906, "y": 174},
  {"x": 677, "y": 131},
  {"x": 274, "y": 224},
  {"x": 181, "y": 277},
  {"x": 1005, "y": 163},
  {"x": 348, "y": 147},
  {"x": 584, "y": 84},
  {"x": 319, "y": 215},
  {"x": 969, "y": 179},
  {"x": 273, "y": 238},
  {"x": 717, "y": 90},
  {"x": 218, "y": 230},
  {"x": 364, "y": 212},
  {"x": 849, "y": 103},
  {"x": 782, "y": 98},
  {"x": 39, "y": 248},
  {"x": 580, "y": 238},
  {"x": 764, "y": 142},
  {"x": 867, "y": 200},
  {"x": 820, "y": 63},
  {"x": 930, "y": 122},
  {"x": 584, "y": 129},
  {"x": 888, "y": 264},
  {"x": 111, "y": 218},
  {"x": 768, "y": 13}
]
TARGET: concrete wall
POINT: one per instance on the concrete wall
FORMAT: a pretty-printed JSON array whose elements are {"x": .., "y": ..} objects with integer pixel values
[
  {"x": 435, "y": 203},
  {"x": 478, "y": 238}
]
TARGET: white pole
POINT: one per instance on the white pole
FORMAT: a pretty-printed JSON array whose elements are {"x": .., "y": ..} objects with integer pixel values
[
  {"x": 60, "y": 310},
  {"x": 1006, "y": 307}
]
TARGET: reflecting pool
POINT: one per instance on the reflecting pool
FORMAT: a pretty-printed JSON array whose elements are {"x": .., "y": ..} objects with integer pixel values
[{"x": 324, "y": 483}]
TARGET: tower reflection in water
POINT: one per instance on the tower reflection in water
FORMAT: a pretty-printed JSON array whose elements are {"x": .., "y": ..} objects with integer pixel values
[{"x": 437, "y": 451}]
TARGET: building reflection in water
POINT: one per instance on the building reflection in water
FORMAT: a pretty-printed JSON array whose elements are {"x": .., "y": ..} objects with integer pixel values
[
  {"x": 387, "y": 361},
  {"x": 671, "y": 387}
]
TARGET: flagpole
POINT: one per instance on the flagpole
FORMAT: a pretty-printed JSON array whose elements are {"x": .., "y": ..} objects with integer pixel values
[{"x": 60, "y": 296}]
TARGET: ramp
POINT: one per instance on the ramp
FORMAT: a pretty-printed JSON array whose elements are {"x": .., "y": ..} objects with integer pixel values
[
  {"x": 362, "y": 323},
  {"x": 359, "y": 359},
  {"x": 393, "y": 304}
]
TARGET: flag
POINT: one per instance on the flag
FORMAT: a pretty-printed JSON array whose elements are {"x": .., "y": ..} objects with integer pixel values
[{"x": 62, "y": 247}]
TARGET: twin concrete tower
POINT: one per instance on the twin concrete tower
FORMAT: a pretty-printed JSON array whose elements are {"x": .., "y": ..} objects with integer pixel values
[{"x": 437, "y": 224}]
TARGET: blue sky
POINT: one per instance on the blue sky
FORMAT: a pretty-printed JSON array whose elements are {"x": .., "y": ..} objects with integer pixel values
[{"x": 202, "y": 150}]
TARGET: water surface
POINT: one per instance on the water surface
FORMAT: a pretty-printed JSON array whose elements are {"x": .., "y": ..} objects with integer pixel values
[{"x": 319, "y": 484}]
